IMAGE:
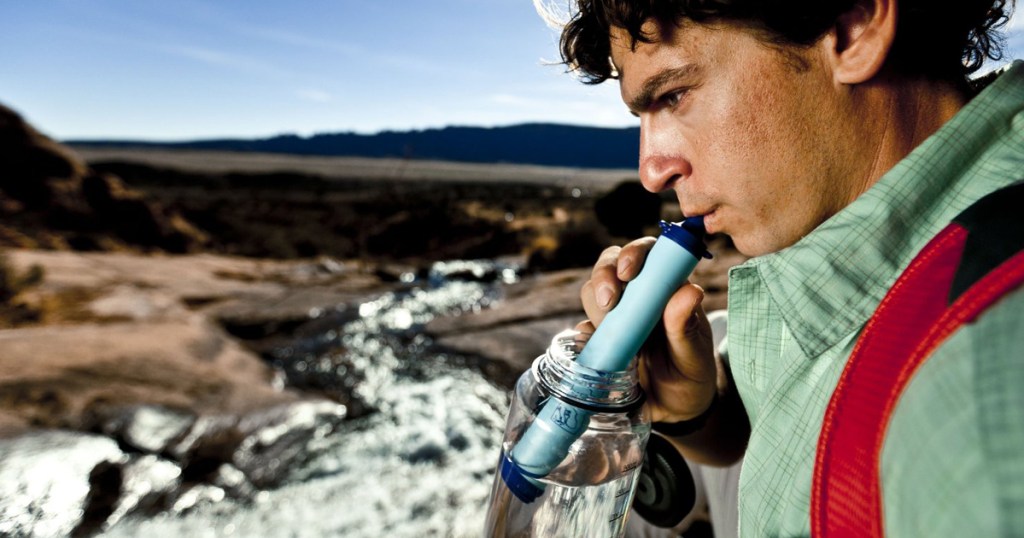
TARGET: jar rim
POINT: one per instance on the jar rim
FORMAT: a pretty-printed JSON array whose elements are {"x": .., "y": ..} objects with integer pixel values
[{"x": 593, "y": 390}]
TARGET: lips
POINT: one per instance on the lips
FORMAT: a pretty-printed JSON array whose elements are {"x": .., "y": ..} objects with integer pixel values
[
  {"x": 708, "y": 213},
  {"x": 695, "y": 212}
]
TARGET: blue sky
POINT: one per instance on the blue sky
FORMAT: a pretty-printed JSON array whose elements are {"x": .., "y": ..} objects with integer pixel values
[{"x": 185, "y": 69}]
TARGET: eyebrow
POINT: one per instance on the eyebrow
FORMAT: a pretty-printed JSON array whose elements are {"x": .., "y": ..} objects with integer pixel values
[{"x": 645, "y": 98}]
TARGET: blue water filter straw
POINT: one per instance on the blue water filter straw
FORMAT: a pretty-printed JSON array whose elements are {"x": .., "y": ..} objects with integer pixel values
[{"x": 611, "y": 348}]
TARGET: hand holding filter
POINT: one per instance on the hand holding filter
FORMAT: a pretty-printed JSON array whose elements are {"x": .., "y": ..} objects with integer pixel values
[
  {"x": 627, "y": 326},
  {"x": 611, "y": 348}
]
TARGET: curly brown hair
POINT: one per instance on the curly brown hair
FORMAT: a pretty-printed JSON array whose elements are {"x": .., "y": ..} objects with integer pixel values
[{"x": 936, "y": 39}]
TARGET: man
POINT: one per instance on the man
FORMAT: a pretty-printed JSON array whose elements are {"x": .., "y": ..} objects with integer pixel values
[{"x": 831, "y": 140}]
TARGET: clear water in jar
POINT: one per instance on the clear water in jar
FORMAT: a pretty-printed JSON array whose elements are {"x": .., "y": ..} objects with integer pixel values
[{"x": 588, "y": 494}]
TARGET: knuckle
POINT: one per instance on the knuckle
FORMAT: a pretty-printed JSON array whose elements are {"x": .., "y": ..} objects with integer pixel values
[
  {"x": 611, "y": 252},
  {"x": 602, "y": 273},
  {"x": 608, "y": 256},
  {"x": 642, "y": 244}
]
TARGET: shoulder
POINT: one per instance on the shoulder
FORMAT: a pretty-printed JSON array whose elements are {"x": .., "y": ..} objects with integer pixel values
[{"x": 953, "y": 459}]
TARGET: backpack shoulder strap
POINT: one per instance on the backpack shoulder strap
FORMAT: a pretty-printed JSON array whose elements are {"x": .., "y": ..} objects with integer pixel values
[{"x": 966, "y": 268}]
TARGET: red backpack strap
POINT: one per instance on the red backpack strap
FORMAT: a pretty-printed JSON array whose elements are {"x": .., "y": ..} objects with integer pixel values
[{"x": 978, "y": 258}]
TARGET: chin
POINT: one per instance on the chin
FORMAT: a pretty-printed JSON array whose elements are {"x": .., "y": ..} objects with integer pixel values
[{"x": 753, "y": 247}]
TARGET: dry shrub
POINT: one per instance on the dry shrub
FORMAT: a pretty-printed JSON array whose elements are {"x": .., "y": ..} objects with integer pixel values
[{"x": 12, "y": 284}]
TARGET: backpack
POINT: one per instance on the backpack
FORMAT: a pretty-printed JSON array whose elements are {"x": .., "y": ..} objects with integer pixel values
[{"x": 973, "y": 262}]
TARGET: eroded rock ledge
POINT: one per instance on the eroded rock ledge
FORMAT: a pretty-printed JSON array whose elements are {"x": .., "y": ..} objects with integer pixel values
[{"x": 132, "y": 398}]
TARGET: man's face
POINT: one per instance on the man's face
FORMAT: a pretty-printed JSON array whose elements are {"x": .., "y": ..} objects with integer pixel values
[{"x": 744, "y": 134}]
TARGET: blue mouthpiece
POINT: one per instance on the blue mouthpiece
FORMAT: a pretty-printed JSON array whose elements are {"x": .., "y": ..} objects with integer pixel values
[
  {"x": 610, "y": 349},
  {"x": 688, "y": 234}
]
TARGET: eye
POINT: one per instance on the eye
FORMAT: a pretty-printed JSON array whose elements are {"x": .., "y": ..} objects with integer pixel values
[{"x": 673, "y": 98}]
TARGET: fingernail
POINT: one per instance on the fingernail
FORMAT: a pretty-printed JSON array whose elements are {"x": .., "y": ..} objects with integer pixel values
[
  {"x": 604, "y": 296},
  {"x": 625, "y": 266}
]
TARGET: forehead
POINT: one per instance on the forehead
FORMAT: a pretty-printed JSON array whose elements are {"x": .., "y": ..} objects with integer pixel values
[
  {"x": 689, "y": 43},
  {"x": 690, "y": 47},
  {"x": 686, "y": 50}
]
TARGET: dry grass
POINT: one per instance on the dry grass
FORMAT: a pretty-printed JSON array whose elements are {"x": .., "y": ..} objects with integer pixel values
[{"x": 220, "y": 162}]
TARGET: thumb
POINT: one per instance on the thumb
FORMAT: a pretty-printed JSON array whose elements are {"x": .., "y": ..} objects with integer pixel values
[{"x": 688, "y": 335}]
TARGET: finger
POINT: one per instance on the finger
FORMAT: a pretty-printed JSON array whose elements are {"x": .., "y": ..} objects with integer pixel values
[
  {"x": 642, "y": 376},
  {"x": 688, "y": 336},
  {"x": 585, "y": 327},
  {"x": 677, "y": 368},
  {"x": 606, "y": 262},
  {"x": 631, "y": 258},
  {"x": 584, "y": 330},
  {"x": 601, "y": 292},
  {"x": 614, "y": 267},
  {"x": 588, "y": 296}
]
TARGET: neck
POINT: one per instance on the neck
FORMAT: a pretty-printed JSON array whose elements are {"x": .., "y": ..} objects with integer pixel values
[{"x": 898, "y": 116}]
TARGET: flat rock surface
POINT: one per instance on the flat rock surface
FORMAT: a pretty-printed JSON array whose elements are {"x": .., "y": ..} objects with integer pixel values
[
  {"x": 57, "y": 376},
  {"x": 124, "y": 329},
  {"x": 511, "y": 335}
]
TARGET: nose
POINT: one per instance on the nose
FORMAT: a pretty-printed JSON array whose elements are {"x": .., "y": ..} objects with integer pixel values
[{"x": 662, "y": 163}]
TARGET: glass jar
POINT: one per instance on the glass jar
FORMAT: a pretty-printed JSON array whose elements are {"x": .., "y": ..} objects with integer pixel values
[{"x": 590, "y": 488}]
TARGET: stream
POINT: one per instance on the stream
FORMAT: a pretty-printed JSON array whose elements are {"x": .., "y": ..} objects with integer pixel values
[{"x": 413, "y": 455}]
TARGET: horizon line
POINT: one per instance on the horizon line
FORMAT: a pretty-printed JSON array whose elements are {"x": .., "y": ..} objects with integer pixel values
[{"x": 146, "y": 140}]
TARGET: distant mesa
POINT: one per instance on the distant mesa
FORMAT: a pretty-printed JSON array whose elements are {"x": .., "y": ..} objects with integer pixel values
[{"x": 532, "y": 143}]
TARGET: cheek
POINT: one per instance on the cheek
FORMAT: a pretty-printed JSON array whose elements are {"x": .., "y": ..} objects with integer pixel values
[
  {"x": 748, "y": 122},
  {"x": 743, "y": 153},
  {"x": 764, "y": 172}
]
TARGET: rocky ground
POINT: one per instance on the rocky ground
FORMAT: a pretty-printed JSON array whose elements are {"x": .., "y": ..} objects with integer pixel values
[
  {"x": 133, "y": 362},
  {"x": 138, "y": 300},
  {"x": 123, "y": 329}
]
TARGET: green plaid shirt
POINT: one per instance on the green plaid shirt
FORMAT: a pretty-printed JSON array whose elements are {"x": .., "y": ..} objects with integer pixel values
[{"x": 953, "y": 460}]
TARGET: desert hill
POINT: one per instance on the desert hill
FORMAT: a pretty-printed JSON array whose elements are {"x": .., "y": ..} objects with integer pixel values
[{"x": 50, "y": 198}]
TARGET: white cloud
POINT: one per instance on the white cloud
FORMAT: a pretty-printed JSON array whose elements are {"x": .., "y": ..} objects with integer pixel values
[
  {"x": 518, "y": 101},
  {"x": 580, "y": 107},
  {"x": 222, "y": 59},
  {"x": 1014, "y": 32},
  {"x": 411, "y": 63},
  {"x": 1016, "y": 23},
  {"x": 314, "y": 95},
  {"x": 283, "y": 37}
]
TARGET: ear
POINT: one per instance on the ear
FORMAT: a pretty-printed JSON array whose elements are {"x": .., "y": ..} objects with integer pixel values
[{"x": 863, "y": 38}]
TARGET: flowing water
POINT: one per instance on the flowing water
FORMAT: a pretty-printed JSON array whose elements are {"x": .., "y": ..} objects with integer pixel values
[{"x": 419, "y": 458}]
